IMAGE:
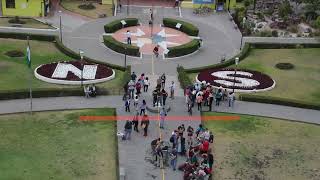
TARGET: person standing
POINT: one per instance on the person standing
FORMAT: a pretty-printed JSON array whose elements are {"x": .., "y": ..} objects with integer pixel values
[
  {"x": 172, "y": 87},
  {"x": 131, "y": 88},
  {"x": 127, "y": 105},
  {"x": 231, "y": 99},
  {"x": 143, "y": 107},
  {"x": 138, "y": 87},
  {"x": 136, "y": 100},
  {"x": 210, "y": 101},
  {"x": 162, "y": 115},
  {"x": 164, "y": 96},
  {"x": 218, "y": 97},
  {"x": 199, "y": 102},
  {"x": 163, "y": 80},
  {"x": 190, "y": 132},
  {"x": 133, "y": 76},
  {"x": 135, "y": 121},
  {"x": 145, "y": 124},
  {"x": 146, "y": 84},
  {"x": 154, "y": 95},
  {"x": 127, "y": 130},
  {"x": 174, "y": 158},
  {"x": 128, "y": 34}
]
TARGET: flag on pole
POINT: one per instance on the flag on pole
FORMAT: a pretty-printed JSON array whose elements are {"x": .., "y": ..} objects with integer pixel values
[{"x": 28, "y": 58}]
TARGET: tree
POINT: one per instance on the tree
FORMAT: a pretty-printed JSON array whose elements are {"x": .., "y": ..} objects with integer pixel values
[
  {"x": 312, "y": 8},
  {"x": 285, "y": 9},
  {"x": 298, "y": 3},
  {"x": 317, "y": 23}
]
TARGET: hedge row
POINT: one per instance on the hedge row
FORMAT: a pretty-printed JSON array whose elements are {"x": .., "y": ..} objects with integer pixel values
[
  {"x": 243, "y": 54},
  {"x": 282, "y": 46},
  {"x": 116, "y": 25},
  {"x": 184, "y": 49},
  {"x": 23, "y": 36},
  {"x": 183, "y": 77},
  {"x": 186, "y": 27},
  {"x": 119, "y": 47},
  {"x": 279, "y": 101},
  {"x": 75, "y": 55}
]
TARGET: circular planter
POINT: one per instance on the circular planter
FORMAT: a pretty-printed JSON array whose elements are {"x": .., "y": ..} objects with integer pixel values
[
  {"x": 69, "y": 73},
  {"x": 14, "y": 53},
  {"x": 284, "y": 66},
  {"x": 242, "y": 81}
]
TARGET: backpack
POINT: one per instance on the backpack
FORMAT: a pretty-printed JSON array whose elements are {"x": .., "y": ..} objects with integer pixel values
[{"x": 171, "y": 139}]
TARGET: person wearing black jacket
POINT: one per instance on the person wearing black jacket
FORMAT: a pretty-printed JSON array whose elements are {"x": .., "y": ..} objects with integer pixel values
[
  {"x": 135, "y": 122},
  {"x": 145, "y": 124},
  {"x": 127, "y": 130}
]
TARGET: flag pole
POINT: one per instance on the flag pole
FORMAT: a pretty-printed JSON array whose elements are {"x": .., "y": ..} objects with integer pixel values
[{"x": 30, "y": 76}]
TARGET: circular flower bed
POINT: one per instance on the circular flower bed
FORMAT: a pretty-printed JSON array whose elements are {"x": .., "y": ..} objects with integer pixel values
[
  {"x": 88, "y": 6},
  {"x": 284, "y": 66},
  {"x": 14, "y": 53},
  {"x": 242, "y": 81},
  {"x": 70, "y": 72}
]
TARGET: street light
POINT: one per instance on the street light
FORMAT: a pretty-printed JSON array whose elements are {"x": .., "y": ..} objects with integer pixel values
[
  {"x": 125, "y": 57},
  {"x": 235, "y": 72},
  {"x": 81, "y": 57},
  {"x": 60, "y": 24},
  {"x": 241, "y": 41}
]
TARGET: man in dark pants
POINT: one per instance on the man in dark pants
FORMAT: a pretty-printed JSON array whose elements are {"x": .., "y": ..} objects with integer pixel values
[{"x": 155, "y": 96}]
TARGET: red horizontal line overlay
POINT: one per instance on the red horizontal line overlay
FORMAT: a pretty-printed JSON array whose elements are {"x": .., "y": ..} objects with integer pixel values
[{"x": 156, "y": 118}]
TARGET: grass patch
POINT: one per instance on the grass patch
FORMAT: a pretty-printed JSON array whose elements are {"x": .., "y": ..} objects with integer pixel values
[
  {"x": 29, "y": 23},
  {"x": 73, "y": 6},
  {"x": 15, "y": 73},
  {"x": 301, "y": 83},
  {"x": 56, "y": 145},
  {"x": 264, "y": 148}
]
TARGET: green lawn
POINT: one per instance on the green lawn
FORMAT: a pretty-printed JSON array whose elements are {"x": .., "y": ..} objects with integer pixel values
[
  {"x": 265, "y": 148},
  {"x": 72, "y": 5},
  {"x": 301, "y": 83},
  {"x": 15, "y": 73},
  {"x": 30, "y": 23},
  {"x": 56, "y": 145}
]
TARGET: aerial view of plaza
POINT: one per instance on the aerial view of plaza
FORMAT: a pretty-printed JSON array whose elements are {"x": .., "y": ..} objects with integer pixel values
[{"x": 159, "y": 89}]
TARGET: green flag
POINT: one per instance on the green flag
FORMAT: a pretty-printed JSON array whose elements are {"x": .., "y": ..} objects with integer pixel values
[{"x": 28, "y": 58}]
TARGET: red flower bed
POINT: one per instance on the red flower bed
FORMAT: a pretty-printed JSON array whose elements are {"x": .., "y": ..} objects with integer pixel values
[
  {"x": 264, "y": 80},
  {"x": 47, "y": 70}
]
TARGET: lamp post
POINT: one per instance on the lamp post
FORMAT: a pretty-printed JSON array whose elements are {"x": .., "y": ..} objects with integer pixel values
[
  {"x": 128, "y": 7},
  {"x": 235, "y": 72},
  {"x": 229, "y": 6},
  {"x": 81, "y": 57},
  {"x": 60, "y": 26},
  {"x": 125, "y": 58},
  {"x": 241, "y": 41}
]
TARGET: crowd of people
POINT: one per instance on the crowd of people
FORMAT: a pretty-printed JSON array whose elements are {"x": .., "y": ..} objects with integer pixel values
[
  {"x": 192, "y": 144},
  {"x": 204, "y": 94},
  {"x": 90, "y": 91}
]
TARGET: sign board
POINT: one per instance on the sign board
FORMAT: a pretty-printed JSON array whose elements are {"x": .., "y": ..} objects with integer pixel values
[
  {"x": 203, "y": 1},
  {"x": 123, "y": 22},
  {"x": 178, "y": 26}
]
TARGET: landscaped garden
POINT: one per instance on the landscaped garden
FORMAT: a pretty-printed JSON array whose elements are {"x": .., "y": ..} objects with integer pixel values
[
  {"x": 301, "y": 83},
  {"x": 93, "y": 10},
  {"x": 264, "y": 148},
  {"x": 57, "y": 145},
  {"x": 23, "y": 22},
  {"x": 15, "y": 73}
]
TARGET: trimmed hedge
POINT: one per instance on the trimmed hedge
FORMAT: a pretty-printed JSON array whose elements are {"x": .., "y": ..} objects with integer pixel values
[
  {"x": 282, "y": 46},
  {"x": 119, "y": 47},
  {"x": 186, "y": 27},
  {"x": 116, "y": 25},
  {"x": 75, "y": 55},
  {"x": 183, "y": 77},
  {"x": 243, "y": 54},
  {"x": 279, "y": 101},
  {"x": 184, "y": 49},
  {"x": 23, "y": 36}
]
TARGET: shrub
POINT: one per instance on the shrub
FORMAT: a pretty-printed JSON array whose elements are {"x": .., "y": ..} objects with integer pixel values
[
  {"x": 293, "y": 29},
  {"x": 274, "y": 33},
  {"x": 24, "y": 36},
  {"x": 183, "y": 77},
  {"x": 16, "y": 20},
  {"x": 119, "y": 47},
  {"x": 184, "y": 49},
  {"x": 116, "y": 25},
  {"x": 279, "y": 101},
  {"x": 229, "y": 62},
  {"x": 284, "y": 66},
  {"x": 75, "y": 55},
  {"x": 186, "y": 27},
  {"x": 265, "y": 34},
  {"x": 86, "y": 6},
  {"x": 14, "y": 53}
]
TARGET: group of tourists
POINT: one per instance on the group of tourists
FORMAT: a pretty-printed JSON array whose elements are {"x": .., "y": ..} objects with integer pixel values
[
  {"x": 134, "y": 124},
  {"x": 192, "y": 144},
  {"x": 204, "y": 94}
]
